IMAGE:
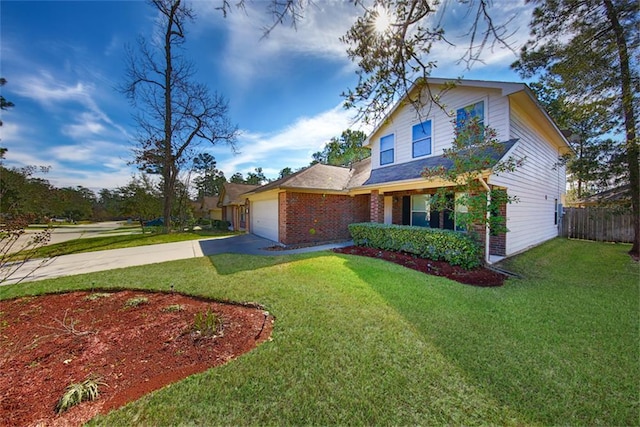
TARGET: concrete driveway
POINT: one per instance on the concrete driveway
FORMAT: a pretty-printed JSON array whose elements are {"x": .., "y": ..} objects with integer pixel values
[{"x": 67, "y": 265}]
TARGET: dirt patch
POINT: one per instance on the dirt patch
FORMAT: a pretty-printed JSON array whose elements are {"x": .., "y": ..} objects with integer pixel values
[
  {"x": 476, "y": 277},
  {"x": 134, "y": 342}
]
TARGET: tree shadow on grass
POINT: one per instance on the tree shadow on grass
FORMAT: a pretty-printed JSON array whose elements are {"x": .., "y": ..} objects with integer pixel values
[{"x": 228, "y": 264}]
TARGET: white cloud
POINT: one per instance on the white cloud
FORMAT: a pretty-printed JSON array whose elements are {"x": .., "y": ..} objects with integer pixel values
[
  {"x": 88, "y": 124},
  {"x": 48, "y": 90},
  {"x": 289, "y": 147},
  {"x": 247, "y": 54},
  {"x": 94, "y": 180},
  {"x": 90, "y": 152}
]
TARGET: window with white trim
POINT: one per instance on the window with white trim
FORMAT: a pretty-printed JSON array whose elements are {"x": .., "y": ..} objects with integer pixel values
[
  {"x": 421, "y": 139},
  {"x": 387, "y": 145},
  {"x": 465, "y": 115},
  {"x": 420, "y": 209}
]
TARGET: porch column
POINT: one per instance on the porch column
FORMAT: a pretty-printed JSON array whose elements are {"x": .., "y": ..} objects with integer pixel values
[{"x": 376, "y": 208}]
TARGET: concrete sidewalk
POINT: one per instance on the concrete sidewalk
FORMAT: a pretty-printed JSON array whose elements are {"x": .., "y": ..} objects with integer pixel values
[{"x": 67, "y": 265}]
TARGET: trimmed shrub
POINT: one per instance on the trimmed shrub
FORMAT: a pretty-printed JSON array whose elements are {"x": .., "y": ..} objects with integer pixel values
[
  {"x": 454, "y": 247},
  {"x": 221, "y": 225}
]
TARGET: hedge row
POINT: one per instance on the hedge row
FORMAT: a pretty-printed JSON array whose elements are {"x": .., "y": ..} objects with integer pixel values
[{"x": 441, "y": 245}]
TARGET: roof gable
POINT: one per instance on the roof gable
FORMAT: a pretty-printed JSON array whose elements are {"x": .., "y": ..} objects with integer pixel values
[
  {"x": 518, "y": 93},
  {"x": 445, "y": 85},
  {"x": 231, "y": 192}
]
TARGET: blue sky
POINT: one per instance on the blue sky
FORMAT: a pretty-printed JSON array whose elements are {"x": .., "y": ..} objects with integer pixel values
[{"x": 64, "y": 60}]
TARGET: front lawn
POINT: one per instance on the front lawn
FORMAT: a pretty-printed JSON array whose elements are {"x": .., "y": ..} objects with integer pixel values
[{"x": 362, "y": 341}]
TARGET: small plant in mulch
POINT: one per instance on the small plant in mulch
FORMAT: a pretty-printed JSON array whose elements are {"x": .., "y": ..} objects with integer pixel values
[
  {"x": 68, "y": 325},
  {"x": 79, "y": 392},
  {"x": 207, "y": 324},
  {"x": 135, "y": 301},
  {"x": 97, "y": 296},
  {"x": 173, "y": 308},
  {"x": 3, "y": 323}
]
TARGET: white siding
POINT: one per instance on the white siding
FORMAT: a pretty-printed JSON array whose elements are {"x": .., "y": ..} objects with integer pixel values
[
  {"x": 537, "y": 184},
  {"x": 401, "y": 123}
]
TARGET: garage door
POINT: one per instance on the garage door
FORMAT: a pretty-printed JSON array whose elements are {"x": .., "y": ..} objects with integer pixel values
[{"x": 264, "y": 219}]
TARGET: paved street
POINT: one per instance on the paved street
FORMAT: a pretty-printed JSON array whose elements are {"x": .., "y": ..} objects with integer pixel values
[{"x": 63, "y": 234}]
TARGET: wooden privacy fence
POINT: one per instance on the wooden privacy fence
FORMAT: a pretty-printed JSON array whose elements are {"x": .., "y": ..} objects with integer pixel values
[{"x": 599, "y": 224}]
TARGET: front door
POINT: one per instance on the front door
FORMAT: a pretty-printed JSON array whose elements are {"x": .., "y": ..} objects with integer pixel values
[{"x": 388, "y": 209}]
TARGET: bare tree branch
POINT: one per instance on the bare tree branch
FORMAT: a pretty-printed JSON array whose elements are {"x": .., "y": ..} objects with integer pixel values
[{"x": 175, "y": 113}]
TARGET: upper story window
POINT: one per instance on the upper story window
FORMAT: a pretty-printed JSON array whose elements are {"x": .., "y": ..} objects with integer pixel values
[
  {"x": 466, "y": 115},
  {"x": 421, "y": 139},
  {"x": 387, "y": 144}
]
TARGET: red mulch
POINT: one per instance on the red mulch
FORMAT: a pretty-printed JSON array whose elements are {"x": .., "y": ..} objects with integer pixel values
[
  {"x": 49, "y": 342},
  {"x": 476, "y": 277}
]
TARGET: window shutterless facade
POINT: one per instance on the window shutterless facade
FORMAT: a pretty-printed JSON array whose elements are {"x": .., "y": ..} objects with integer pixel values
[
  {"x": 469, "y": 114},
  {"x": 387, "y": 145},
  {"x": 421, "y": 139}
]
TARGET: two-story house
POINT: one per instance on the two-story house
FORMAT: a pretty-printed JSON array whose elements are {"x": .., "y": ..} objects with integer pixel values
[{"x": 319, "y": 202}]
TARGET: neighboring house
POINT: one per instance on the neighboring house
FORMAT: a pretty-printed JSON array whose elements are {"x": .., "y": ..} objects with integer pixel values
[
  {"x": 618, "y": 196},
  {"x": 319, "y": 202},
  {"x": 232, "y": 204},
  {"x": 312, "y": 205},
  {"x": 207, "y": 208}
]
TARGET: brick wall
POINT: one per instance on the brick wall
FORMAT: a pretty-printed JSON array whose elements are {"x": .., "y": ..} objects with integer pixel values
[
  {"x": 310, "y": 217},
  {"x": 283, "y": 219},
  {"x": 377, "y": 207},
  {"x": 498, "y": 243}
]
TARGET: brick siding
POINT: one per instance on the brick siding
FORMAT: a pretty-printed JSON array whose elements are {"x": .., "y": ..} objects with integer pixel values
[
  {"x": 312, "y": 217},
  {"x": 498, "y": 243},
  {"x": 377, "y": 207}
]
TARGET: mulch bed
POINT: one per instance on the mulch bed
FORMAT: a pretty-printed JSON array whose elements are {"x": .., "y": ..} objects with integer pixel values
[
  {"x": 476, "y": 277},
  {"x": 51, "y": 341}
]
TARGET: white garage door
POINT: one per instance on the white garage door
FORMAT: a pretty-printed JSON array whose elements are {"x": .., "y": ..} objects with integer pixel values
[{"x": 264, "y": 219}]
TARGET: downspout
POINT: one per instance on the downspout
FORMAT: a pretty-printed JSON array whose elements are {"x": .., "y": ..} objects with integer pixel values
[{"x": 487, "y": 232}]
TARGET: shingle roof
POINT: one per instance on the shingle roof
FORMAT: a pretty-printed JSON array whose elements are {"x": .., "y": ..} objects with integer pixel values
[
  {"x": 323, "y": 177},
  {"x": 617, "y": 195},
  {"x": 413, "y": 170},
  {"x": 232, "y": 191}
]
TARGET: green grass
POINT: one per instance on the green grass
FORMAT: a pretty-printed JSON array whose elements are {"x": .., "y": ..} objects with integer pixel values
[
  {"x": 114, "y": 242},
  {"x": 360, "y": 341}
]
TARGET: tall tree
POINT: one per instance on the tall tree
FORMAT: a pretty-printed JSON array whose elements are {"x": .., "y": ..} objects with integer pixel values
[
  {"x": 597, "y": 162},
  {"x": 285, "y": 172},
  {"x": 140, "y": 199},
  {"x": 175, "y": 112},
  {"x": 237, "y": 178},
  {"x": 23, "y": 194},
  {"x": 343, "y": 150},
  {"x": 73, "y": 203},
  {"x": 592, "y": 47},
  {"x": 256, "y": 178},
  {"x": 108, "y": 205},
  {"x": 210, "y": 179}
]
